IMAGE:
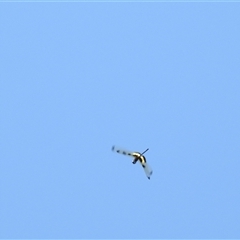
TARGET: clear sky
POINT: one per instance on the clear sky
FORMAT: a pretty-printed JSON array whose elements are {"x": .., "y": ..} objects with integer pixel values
[{"x": 77, "y": 78}]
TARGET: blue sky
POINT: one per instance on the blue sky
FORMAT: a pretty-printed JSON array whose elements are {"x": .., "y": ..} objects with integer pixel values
[{"x": 77, "y": 78}]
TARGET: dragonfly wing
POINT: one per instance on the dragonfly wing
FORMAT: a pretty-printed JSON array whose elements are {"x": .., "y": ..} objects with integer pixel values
[
  {"x": 122, "y": 151},
  {"x": 147, "y": 169}
]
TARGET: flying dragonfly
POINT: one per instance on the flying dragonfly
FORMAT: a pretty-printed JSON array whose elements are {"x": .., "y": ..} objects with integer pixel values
[{"x": 138, "y": 157}]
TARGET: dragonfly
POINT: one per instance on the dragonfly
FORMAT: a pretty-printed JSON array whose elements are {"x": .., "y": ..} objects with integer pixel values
[{"x": 138, "y": 157}]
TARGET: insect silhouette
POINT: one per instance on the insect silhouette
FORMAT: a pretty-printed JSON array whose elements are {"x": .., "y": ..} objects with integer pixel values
[{"x": 138, "y": 157}]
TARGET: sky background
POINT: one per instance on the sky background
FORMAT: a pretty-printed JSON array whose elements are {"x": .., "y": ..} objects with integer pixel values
[{"x": 78, "y": 78}]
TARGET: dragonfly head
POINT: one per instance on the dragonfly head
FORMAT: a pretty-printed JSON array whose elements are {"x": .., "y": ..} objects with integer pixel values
[{"x": 135, "y": 160}]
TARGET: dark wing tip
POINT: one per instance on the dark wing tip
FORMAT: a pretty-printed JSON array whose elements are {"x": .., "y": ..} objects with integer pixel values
[{"x": 113, "y": 148}]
